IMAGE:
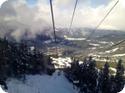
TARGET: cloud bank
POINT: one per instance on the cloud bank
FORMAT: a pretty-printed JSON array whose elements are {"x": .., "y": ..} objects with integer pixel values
[{"x": 16, "y": 16}]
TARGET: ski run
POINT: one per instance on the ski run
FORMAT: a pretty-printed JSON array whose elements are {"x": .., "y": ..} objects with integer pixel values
[{"x": 41, "y": 84}]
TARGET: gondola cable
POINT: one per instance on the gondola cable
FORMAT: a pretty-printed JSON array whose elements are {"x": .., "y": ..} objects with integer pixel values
[
  {"x": 73, "y": 15},
  {"x": 100, "y": 23},
  {"x": 53, "y": 23}
]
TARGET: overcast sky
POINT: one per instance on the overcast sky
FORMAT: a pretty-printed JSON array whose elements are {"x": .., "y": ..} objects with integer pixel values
[{"x": 88, "y": 12}]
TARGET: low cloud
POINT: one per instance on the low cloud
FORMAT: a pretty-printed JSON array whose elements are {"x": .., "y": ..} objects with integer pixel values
[{"x": 16, "y": 16}]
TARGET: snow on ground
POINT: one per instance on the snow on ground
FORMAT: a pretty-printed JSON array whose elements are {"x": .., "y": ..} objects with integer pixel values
[
  {"x": 118, "y": 55},
  {"x": 113, "y": 50},
  {"x": 113, "y": 69},
  {"x": 104, "y": 42},
  {"x": 62, "y": 62},
  {"x": 74, "y": 39},
  {"x": 42, "y": 84},
  {"x": 123, "y": 91},
  {"x": 2, "y": 91},
  {"x": 92, "y": 44}
]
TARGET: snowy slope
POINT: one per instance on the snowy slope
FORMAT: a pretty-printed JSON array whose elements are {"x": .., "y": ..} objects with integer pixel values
[
  {"x": 2, "y": 91},
  {"x": 123, "y": 91},
  {"x": 42, "y": 84}
]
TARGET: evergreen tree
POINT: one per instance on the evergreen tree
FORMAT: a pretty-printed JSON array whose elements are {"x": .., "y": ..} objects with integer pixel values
[
  {"x": 119, "y": 78},
  {"x": 16, "y": 60},
  {"x": 93, "y": 74},
  {"x": 104, "y": 80},
  {"x": 113, "y": 88}
]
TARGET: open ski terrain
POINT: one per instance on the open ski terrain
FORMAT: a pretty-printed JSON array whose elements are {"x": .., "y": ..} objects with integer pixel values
[
  {"x": 57, "y": 83},
  {"x": 123, "y": 91},
  {"x": 41, "y": 84}
]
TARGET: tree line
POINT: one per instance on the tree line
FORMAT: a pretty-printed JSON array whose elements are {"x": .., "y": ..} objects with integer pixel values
[
  {"x": 18, "y": 60},
  {"x": 88, "y": 79}
]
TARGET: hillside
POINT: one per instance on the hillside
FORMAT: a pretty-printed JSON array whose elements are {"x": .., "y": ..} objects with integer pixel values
[{"x": 41, "y": 84}]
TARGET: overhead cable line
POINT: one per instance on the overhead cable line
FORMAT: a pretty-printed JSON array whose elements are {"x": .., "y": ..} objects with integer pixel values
[
  {"x": 73, "y": 14},
  {"x": 116, "y": 44},
  {"x": 91, "y": 34},
  {"x": 53, "y": 23}
]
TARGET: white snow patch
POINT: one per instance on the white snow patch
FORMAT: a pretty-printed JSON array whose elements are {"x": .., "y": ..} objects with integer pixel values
[
  {"x": 113, "y": 50},
  {"x": 42, "y": 84},
  {"x": 118, "y": 55},
  {"x": 2, "y": 91},
  {"x": 32, "y": 48},
  {"x": 74, "y": 39},
  {"x": 61, "y": 62},
  {"x": 123, "y": 91},
  {"x": 101, "y": 60},
  {"x": 113, "y": 69},
  {"x": 92, "y": 44},
  {"x": 1, "y": 2},
  {"x": 103, "y": 42},
  {"x": 81, "y": 62}
]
